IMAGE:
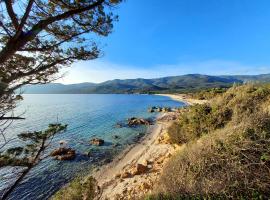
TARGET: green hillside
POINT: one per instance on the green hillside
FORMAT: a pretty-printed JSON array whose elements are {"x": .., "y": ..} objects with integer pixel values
[{"x": 184, "y": 83}]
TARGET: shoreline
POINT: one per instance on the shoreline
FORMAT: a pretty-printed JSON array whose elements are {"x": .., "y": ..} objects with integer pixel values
[
  {"x": 184, "y": 98},
  {"x": 116, "y": 180}
]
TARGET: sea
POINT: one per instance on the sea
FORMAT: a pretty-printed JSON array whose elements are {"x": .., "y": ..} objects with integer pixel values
[{"x": 87, "y": 116}]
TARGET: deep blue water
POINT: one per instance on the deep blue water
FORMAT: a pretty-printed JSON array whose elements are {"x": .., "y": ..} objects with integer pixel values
[{"x": 87, "y": 116}]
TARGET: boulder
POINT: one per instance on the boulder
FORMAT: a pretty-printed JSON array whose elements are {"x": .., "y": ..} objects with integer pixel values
[
  {"x": 97, "y": 141},
  {"x": 126, "y": 175},
  {"x": 159, "y": 109},
  {"x": 151, "y": 110},
  {"x": 139, "y": 169},
  {"x": 138, "y": 121},
  {"x": 63, "y": 154}
]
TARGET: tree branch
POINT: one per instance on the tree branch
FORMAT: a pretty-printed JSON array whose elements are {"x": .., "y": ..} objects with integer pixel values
[
  {"x": 25, "y": 16},
  {"x": 11, "y": 13},
  {"x": 14, "y": 44}
]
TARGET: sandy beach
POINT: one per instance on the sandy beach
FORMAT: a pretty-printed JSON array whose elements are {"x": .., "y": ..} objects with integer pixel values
[
  {"x": 184, "y": 98},
  {"x": 122, "y": 179},
  {"x": 133, "y": 173}
]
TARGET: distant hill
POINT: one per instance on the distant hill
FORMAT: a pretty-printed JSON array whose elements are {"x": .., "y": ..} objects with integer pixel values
[{"x": 184, "y": 83}]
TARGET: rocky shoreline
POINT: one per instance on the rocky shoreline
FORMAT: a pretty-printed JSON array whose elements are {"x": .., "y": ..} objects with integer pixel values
[{"x": 133, "y": 173}]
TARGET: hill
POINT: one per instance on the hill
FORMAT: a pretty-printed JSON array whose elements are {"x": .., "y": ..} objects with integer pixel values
[{"x": 184, "y": 83}]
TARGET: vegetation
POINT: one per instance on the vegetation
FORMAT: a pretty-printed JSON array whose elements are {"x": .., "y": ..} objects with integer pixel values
[
  {"x": 27, "y": 156},
  {"x": 202, "y": 86},
  {"x": 78, "y": 189},
  {"x": 37, "y": 39},
  {"x": 227, "y": 148},
  {"x": 208, "y": 93}
]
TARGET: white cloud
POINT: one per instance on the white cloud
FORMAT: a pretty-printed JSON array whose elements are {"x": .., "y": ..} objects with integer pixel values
[{"x": 99, "y": 71}]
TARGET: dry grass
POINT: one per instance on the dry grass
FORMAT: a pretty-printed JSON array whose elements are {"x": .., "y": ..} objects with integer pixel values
[{"x": 227, "y": 155}]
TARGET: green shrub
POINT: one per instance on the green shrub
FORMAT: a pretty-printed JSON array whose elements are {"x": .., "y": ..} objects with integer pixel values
[{"x": 78, "y": 189}]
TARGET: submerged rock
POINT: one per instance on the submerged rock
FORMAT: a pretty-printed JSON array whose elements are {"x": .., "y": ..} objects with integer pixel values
[
  {"x": 116, "y": 137},
  {"x": 118, "y": 125},
  {"x": 97, "y": 141},
  {"x": 63, "y": 153}
]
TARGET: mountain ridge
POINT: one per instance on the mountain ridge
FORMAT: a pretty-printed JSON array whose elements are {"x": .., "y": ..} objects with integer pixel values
[{"x": 182, "y": 83}]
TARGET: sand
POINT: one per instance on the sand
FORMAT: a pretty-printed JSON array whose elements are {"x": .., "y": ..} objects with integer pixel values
[
  {"x": 153, "y": 151},
  {"x": 184, "y": 98}
]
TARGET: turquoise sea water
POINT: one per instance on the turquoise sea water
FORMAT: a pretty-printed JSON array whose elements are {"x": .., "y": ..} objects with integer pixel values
[{"x": 87, "y": 116}]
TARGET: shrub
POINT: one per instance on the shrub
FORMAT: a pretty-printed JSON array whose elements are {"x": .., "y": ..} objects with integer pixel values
[
  {"x": 78, "y": 190},
  {"x": 227, "y": 151}
]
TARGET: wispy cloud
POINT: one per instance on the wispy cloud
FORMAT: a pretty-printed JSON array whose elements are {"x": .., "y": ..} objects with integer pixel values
[{"x": 99, "y": 71}]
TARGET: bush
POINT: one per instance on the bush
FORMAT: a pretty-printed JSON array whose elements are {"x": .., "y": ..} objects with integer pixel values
[
  {"x": 198, "y": 120},
  {"x": 78, "y": 190},
  {"x": 227, "y": 151}
]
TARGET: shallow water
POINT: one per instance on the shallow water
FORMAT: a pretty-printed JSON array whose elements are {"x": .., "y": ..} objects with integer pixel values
[{"x": 87, "y": 116}]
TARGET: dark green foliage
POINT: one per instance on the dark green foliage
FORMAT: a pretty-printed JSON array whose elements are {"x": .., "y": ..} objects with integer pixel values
[
  {"x": 29, "y": 155},
  {"x": 35, "y": 141}
]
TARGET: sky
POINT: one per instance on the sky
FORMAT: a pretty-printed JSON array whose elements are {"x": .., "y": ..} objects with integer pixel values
[{"x": 157, "y": 38}]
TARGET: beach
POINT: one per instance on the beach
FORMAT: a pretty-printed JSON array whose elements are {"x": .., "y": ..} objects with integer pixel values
[
  {"x": 117, "y": 179},
  {"x": 135, "y": 171},
  {"x": 184, "y": 98}
]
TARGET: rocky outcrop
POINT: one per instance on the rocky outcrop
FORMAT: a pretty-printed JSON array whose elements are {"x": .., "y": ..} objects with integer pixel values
[
  {"x": 139, "y": 169},
  {"x": 138, "y": 121},
  {"x": 63, "y": 154},
  {"x": 97, "y": 141},
  {"x": 159, "y": 109}
]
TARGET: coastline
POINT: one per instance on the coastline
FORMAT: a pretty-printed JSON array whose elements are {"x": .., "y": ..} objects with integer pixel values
[
  {"x": 116, "y": 180},
  {"x": 184, "y": 98}
]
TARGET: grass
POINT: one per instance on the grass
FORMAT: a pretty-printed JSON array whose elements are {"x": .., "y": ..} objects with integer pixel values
[{"x": 227, "y": 151}]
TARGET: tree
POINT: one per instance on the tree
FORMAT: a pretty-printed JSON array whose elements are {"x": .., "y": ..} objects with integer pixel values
[
  {"x": 29, "y": 155},
  {"x": 45, "y": 36},
  {"x": 39, "y": 37}
]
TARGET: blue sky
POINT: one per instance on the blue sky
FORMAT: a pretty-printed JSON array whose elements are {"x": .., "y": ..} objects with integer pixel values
[{"x": 156, "y": 38}]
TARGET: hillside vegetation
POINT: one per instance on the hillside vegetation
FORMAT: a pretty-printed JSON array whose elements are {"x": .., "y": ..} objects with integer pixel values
[
  {"x": 226, "y": 151},
  {"x": 173, "y": 84}
]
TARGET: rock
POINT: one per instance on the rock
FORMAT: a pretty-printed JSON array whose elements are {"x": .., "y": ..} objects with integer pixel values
[
  {"x": 118, "y": 176},
  {"x": 145, "y": 162},
  {"x": 159, "y": 109},
  {"x": 116, "y": 137},
  {"x": 126, "y": 175},
  {"x": 118, "y": 125},
  {"x": 151, "y": 110},
  {"x": 97, "y": 141},
  {"x": 116, "y": 145},
  {"x": 138, "y": 121},
  {"x": 89, "y": 153},
  {"x": 139, "y": 169},
  {"x": 63, "y": 154}
]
